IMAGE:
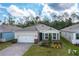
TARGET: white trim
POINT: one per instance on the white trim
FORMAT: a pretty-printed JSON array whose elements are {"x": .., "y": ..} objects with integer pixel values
[
  {"x": 57, "y": 36},
  {"x": 44, "y": 35},
  {"x": 76, "y": 36}
]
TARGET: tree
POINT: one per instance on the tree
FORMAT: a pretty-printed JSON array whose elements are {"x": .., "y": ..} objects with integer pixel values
[
  {"x": 10, "y": 20},
  {"x": 68, "y": 22}
]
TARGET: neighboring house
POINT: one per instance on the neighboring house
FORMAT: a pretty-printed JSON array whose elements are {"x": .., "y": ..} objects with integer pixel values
[
  {"x": 7, "y": 32},
  {"x": 37, "y": 32},
  {"x": 71, "y": 33}
]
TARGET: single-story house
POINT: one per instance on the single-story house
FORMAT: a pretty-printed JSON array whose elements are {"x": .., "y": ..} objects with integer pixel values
[
  {"x": 36, "y": 32},
  {"x": 71, "y": 33},
  {"x": 7, "y": 32}
]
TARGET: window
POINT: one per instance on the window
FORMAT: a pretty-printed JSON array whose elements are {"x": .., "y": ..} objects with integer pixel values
[
  {"x": 46, "y": 36},
  {"x": 77, "y": 36},
  {"x": 54, "y": 35},
  {"x": 0, "y": 35}
]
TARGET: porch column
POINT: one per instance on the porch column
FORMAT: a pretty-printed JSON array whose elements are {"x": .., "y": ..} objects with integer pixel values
[
  {"x": 52, "y": 35},
  {"x": 57, "y": 36},
  {"x": 43, "y": 36}
]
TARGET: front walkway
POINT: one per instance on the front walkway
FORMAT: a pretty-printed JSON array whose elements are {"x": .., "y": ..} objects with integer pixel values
[{"x": 15, "y": 50}]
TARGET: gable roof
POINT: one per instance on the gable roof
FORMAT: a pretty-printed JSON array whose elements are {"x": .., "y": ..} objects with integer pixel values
[
  {"x": 73, "y": 28},
  {"x": 8, "y": 28},
  {"x": 38, "y": 27}
]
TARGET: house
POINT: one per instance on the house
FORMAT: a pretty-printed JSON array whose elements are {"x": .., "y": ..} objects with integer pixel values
[
  {"x": 7, "y": 32},
  {"x": 37, "y": 32},
  {"x": 71, "y": 33}
]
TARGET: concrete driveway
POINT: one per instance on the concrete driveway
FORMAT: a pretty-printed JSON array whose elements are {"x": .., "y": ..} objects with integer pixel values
[{"x": 17, "y": 49}]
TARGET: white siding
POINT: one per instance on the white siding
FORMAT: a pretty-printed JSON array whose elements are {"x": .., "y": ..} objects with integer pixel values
[
  {"x": 3, "y": 40},
  {"x": 68, "y": 35},
  {"x": 21, "y": 33},
  {"x": 75, "y": 41}
]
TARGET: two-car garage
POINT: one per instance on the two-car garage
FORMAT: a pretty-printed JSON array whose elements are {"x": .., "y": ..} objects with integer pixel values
[{"x": 26, "y": 37}]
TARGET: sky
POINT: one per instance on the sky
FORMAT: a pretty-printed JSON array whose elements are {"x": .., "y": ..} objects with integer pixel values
[{"x": 36, "y": 9}]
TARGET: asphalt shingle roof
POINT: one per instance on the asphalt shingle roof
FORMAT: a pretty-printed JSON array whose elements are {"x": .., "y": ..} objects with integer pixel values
[
  {"x": 38, "y": 27},
  {"x": 72, "y": 28},
  {"x": 8, "y": 28}
]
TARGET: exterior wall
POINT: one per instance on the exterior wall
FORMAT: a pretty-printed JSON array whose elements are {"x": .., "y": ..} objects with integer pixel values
[
  {"x": 3, "y": 40},
  {"x": 23, "y": 33},
  {"x": 68, "y": 35},
  {"x": 75, "y": 41},
  {"x": 6, "y": 36},
  {"x": 35, "y": 34},
  {"x": 52, "y": 31}
]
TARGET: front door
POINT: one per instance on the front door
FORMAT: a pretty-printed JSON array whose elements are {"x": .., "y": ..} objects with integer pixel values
[{"x": 40, "y": 36}]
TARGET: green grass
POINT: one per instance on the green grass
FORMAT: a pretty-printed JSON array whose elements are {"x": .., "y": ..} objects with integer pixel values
[
  {"x": 37, "y": 50},
  {"x": 68, "y": 45},
  {"x": 4, "y": 45}
]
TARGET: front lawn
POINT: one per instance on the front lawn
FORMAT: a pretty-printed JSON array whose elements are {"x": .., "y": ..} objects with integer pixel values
[
  {"x": 4, "y": 45},
  {"x": 68, "y": 45},
  {"x": 37, "y": 50}
]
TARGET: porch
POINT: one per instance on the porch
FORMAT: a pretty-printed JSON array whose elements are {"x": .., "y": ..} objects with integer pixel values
[{"x": 45, "y": 36}]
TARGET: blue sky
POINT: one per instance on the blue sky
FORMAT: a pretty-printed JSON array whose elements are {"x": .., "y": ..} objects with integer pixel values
[{"x": 44, "y": 9}]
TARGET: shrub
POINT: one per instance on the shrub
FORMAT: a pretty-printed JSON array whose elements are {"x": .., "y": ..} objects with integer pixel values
[
  {"x": 14, "y": 41},
  {"x": 74, "y": 52},
  {"x": 56, "y": 45}
]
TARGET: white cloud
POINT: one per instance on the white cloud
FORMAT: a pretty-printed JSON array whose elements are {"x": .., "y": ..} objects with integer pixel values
[
  {"x": 17, "y": 12},
  {"x": 32, "y": 13},
  {"x": 47, "y": 11},
  {"x": 72, "y": 9},
  {"x": 26, "y": 13},
  {"x": 65, "y": 5}
]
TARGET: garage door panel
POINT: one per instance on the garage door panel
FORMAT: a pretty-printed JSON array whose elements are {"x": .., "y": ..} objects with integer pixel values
[{"x": 28, "y": 39}]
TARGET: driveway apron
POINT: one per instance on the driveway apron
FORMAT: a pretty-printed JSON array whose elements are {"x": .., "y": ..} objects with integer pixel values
[{"x": 17, "y": 49}]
